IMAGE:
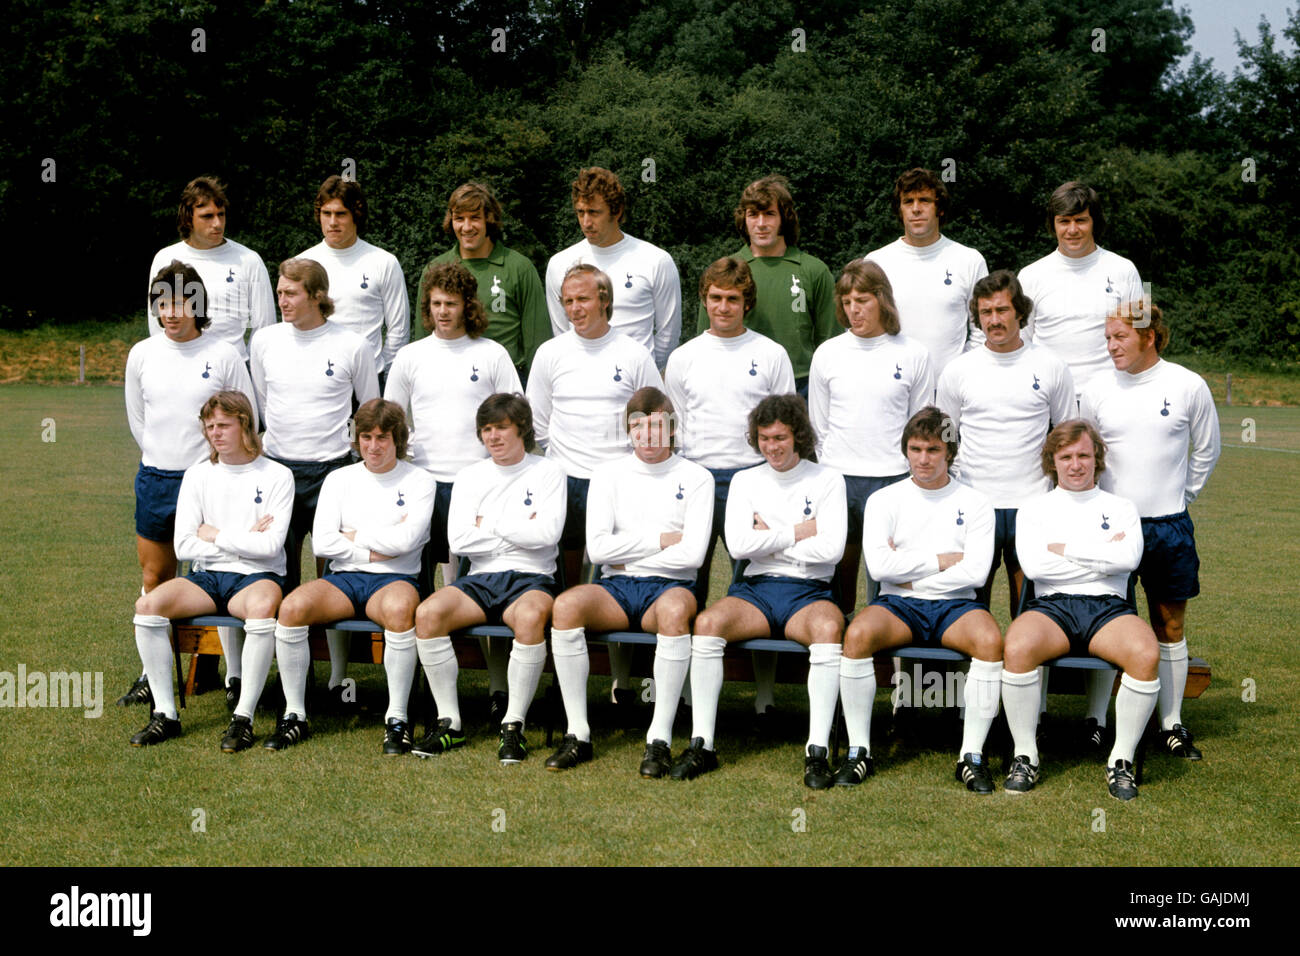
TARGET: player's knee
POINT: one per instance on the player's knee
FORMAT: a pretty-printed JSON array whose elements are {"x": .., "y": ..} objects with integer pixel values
[
  {"x": 1173, "y": 631},
  {"x": 566, "y": 612},
  {"x": 1144, "y": 659},
  {"x": 826, "y": 630},
  {"x": 857, "y": 640},
  {"x": 709, "y": 623},
  {"x": 144, "y": 604},
  {"x": 293, "y": 611},
  {"x": 428, "y": 622},
  {"x": 988, "y": 643},
  {"x": 261, "y": 606}
]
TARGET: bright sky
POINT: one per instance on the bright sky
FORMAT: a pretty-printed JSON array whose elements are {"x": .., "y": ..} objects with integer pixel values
[{"x": 1215, "y": 21}]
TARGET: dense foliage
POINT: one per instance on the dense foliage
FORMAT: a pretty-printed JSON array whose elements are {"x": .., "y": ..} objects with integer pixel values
[{"x": 1012, "y": 97}]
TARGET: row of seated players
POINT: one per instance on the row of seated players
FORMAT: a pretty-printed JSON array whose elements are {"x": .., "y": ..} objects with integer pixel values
[{"x": 929, "y": 539}]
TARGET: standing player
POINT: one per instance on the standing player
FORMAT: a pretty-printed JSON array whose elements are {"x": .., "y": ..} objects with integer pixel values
[
  {"x": 869, "y": 366},
  {"x": 372, "y": 521},
  {"x": 507, "y": 512},
  {"x": 1076, "y": 286},
  {"x": 508, "y": 284},
  {"x": 168, "y": 378},
  {"x": 1003, "y": 397},
  {"x": 648, "y": 517},
  {"x": 787, "y": 518},
  {"x": 928, "y": 541},
  {"x": 1078, "y": 544},
  {"x": 230, "y": 523},
  {"x": 238, "y": 291},
  {"x": 366, "y": 282},
  {"x": 441, "y": 381},
  {"x": 306, "y": 371},
  {"x": 795, "y": 303},
  {"x": 1073, "y": 289},
  {"x": 932, "y": 275},
  {"x": 1150, "y": 412},
  {"x": 649, "y": 303}
]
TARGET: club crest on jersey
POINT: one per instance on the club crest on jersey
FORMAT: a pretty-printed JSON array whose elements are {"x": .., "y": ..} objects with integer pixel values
[
  {"x": 329, "y": 367},
  {"x": 628, "y": 283},
  {"x": 528, "y": 497},
  {"x": 898, "y": 371},
  {"x": 680, "y": 489},
  {"x": 365, "y": 279},
  {"x": 1105, "y": 523},
  {"x": 231, "y": 276},
  {"x": 258, "y": 499},
  {"x": 207, "y": 370},
  {"x": 473, "y": 375},
  {"x": 1165, "y": 411},
  {"x": 498, "y": 294},
  {"x": 960, "y": 519},
  {"x": 753, "y": 367},
  {"x": 807, "y": 505},
  {"x": 1036, "y": 385},
  {"x": 401, "y": 502},
  {"x": 618, "y": 374},
  {"x": 947, "y": 277},
  {"x": 799, "y": 300}
]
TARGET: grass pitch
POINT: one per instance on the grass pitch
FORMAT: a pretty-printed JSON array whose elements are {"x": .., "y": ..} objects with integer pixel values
[{"x": 75, "y": 792}]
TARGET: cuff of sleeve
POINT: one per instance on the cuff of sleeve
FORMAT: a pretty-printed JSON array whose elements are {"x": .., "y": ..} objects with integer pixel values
[{"x": 360, "y": 555}]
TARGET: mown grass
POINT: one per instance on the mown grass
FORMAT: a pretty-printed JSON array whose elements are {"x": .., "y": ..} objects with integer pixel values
[{"x": 76, "y": 793}]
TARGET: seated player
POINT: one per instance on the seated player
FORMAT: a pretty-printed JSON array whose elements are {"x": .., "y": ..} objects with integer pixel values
[
  {"x": 372, "y": 520},
  {"x": 787, "y": 518},
  {"x": 1078, "y": 544},
  {"x": 649, "y": 516},
  {"x": 506, "y": 516},
  {"x": 231, "y": 518},
  {"x": 929, "y": 542}
]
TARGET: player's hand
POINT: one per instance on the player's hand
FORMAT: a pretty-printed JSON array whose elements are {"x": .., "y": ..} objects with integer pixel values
[
  {"x": 532, "y": 516},
  {"x": 669, "y": 538},
  {"x": 478, "y": 521},
  {"x": 350, "y": 535},
  {"x": 262, "y": 523},
  {"x": 376, "y": 556},
  {"x": 892, "y": 546},
  {"x": 1058, "y": 547},
  {"x": 404, "y": 516},
  {"x": 805, "y": 529},
  {"x": 207, "y": 532},
  {"x": 1119, "y": 536},
  {"x": 619, "y": 567},
  {"x": 760, "y": 524},
  {"x": 949, "y": 558},
  {"x": 906, "y": 585}
]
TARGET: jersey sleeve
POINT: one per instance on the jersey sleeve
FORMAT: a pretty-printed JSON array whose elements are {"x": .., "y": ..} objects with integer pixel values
[
  {"x": 675, "y": 389},
  {"x": 977, "y": 554},
  {"x": 544, "y": 529},
  {"x": 605, "y": 544},
  {"x": 264, "y": 545},
  {"x": 827, "y": 545},
  {"x": 668, "y": 309},
  {"x": 397, "y": 389},
  {"x": 189, "y": 515},
  {"x": 327, "y": 539},
  {"x": 744, "y": 541},
  {"x": 261, "y": 299},
  {"x": 1112, "y": 557},
  {"x": 238, "y": 379},
  {"x": 1206, "y": 442},
  {"x": 948, "y": 396},
  {"x": 405, "y": 536},
  {"x": 539, "y": 396},
  {"x": 697, "y": 528},
  {"x": 397, "y": 313},
  {"x": 922, "y": 393},
  {"x": 1063, "y": 404},
  {"x": 887, "y": 564},
  {"x": 554, "y": 308},
  {"x": 823, "y": 298},
  {"x": 135, "y": 394},
  {"x": 365, "y": 377},
  {"x": 257, "y": 372},
  {"x": 819, "y": 399},
  {"x": 465, "y": 537}
]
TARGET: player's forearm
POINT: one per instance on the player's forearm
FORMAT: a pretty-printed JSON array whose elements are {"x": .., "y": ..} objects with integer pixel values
[{"x": 900, "y": 566}]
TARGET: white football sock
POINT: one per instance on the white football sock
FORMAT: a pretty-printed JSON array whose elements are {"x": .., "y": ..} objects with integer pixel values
[
  {"x": 340, "y": 644},
  {"x": 153, "y": 641},
  {"x": 706, "y": 685},
  {"x": 764, "y": 679},
  {"x": 441, "y": 670},
  {"x": 523, "y": 672},
  {"x": 1099, "y": 684},
  {"x": 293, "y": 656},
  {"x": 232, "y": 647},
  {"x": 1020, "y": 694},
  {"x": 259, "y": 651},
  {"x": 1134, "y": 702},
  {"x": 1172, "y": 671},
  {"x": 823, "y": 692},
  {"x": 858, "y": 692},
  {"x": 620, "y": 666},
  {"x": 496, "y": 652},
  {"x": 672, "y": 662},
  {"x": 400, "y": 659},
  {"x": 983, "y": 693},
  {"x": 572, "y": 665}
]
